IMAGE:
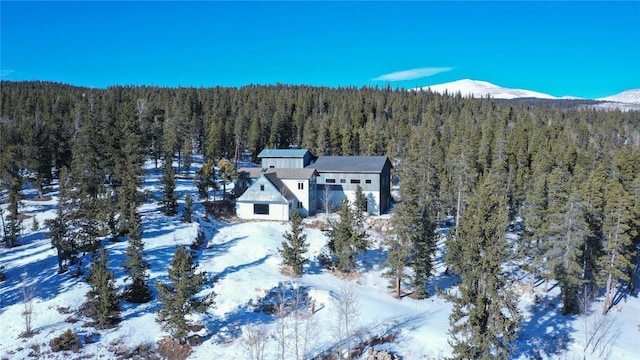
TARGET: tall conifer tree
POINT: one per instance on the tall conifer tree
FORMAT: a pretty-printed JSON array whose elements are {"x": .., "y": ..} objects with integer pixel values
[
  {"x": 138, "y": 290},
  {"x": 295, "y": 245},
  {"x": 169, "y": 198},
  {"x": 484, "y": 319},
  {"x": 178, "y": 297},
  {"x": 103, "y": 295}
]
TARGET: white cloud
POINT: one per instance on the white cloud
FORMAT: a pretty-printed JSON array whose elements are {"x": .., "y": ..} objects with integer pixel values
[{"x": 412, "y": 74}]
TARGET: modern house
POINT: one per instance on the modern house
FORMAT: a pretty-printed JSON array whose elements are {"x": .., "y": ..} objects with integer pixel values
[
  {"x": 288, "y": 182},
  {"x": 339, "y": 177},
  {"x": 291, "y": 178}
]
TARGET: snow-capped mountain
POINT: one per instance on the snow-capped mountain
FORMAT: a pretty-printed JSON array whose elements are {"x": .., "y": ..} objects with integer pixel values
[
  {"x": 629, "y": 97},
  {"x": 624, "y": 101},
  {"x": 476, "y": 88}
]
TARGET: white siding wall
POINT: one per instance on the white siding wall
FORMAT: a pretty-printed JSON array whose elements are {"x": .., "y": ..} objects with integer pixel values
[
  {"x": 301, "y": 194},
  {"x": 278, "y": 212},
  {"x": 373, "y": 200}
]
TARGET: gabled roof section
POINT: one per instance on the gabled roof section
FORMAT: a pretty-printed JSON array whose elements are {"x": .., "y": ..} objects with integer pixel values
[
  {"x": 283, "y": 153},
  {"x": 249, "y": 173},
  {"x": 282, "y": 188},
  {"x": 366, "y": 164}
]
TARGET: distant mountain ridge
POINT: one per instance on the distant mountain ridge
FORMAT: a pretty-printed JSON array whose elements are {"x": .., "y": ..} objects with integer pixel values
[
  {"x": 629, "y": 97},
  {"x": 476, "y": 88}
]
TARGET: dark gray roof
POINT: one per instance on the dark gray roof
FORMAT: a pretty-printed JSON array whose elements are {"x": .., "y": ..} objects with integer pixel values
[
  {"x": 284, "y": 190},
  {"x": 283, "y": 153},
  {"x": 370, "y": 164},
  {"x": 282, "y": 173},
  {"x": 249, "y": 173},
  {"x": 292, "y": 173}
]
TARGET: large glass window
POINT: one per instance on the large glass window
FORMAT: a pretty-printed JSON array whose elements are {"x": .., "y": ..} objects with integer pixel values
[{"x": 261, "y": 209}]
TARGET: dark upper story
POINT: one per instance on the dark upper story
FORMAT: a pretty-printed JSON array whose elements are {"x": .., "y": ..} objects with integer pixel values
[
  {"x": 285, "y": 158},
  {"x": 351, "y": 164}
]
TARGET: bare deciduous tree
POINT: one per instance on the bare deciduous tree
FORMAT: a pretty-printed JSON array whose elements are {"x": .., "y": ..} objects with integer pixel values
[
  {"x": 348, "y": 310},
  {"x": 326, "y": 199},
  {"x": 600, "y": 331},
  {"x": 254, "y": 340},
  {"x": 28, "y": 293}
]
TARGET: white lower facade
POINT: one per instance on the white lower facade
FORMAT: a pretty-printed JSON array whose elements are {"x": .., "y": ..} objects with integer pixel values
[
  {"x": 264, "y": 211},
  {"x": 335, "y": 198}
]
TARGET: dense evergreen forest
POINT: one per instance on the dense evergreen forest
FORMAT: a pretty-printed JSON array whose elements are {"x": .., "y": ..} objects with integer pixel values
[{"x": 568, "y": 180}]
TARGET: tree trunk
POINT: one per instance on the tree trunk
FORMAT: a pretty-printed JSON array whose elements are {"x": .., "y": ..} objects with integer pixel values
[
  {"x": 458, "y": 205},
  {"x": 533, "y": 278},
  {"x": 607, "y": 296},
  {"x": 398, "y": 278}
]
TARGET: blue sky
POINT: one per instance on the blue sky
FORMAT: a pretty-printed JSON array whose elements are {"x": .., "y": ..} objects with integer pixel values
[{"x": 587, "y": 49}]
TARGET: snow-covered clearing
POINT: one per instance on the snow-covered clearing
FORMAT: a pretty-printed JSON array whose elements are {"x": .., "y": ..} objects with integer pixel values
[{"x": 243, "y": 260}]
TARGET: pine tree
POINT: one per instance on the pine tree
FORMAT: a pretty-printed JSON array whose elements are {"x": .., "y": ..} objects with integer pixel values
[
  {"x": 66, "y": 248},
  {"x": 346, "y": 238},
  {"x": 187, "y": 213},
  {"x": 617, "y": 252},
  {"x": 360, "y": 202},
  {"x": 399, "y": 247},
  {"x": 135, "y": 265},
  {"x": 10, "y": 173},
  {"x": 178, "y": 297},
  {"x": 295, "y": 245},
  {"x": 169, "y": 198},
  {"x": 205, "y": 179},
  {"x": 103, "y": 296},
  {"x": 227, "y": 172},
  {"x": 424, "y": 246},
  {"x": 566, "y": 236},
  {"x": 412, "y": 243},
  {"x": 484, "y": 318},
  {"x": 128, "y": 173}
]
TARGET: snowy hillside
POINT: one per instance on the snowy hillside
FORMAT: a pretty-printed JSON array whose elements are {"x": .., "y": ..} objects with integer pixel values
[
  {"x": 243, "y": 260},
  {"x": 479, "y": 89},
  {"x": 628, "y": 97}
]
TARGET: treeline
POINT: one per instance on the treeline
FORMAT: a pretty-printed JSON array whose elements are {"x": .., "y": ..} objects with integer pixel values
[{"x": 571, "y": 176}]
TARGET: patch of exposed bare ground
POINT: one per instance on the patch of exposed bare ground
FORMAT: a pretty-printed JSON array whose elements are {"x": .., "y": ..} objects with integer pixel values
[
  {"x": 224, "y": 210},
  {"x": 40, "y": 198},
  {"x": 171, "y": 349}
]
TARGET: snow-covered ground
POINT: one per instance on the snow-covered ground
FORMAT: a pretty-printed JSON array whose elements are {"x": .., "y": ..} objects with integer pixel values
[{"x": 243, "y": 259}]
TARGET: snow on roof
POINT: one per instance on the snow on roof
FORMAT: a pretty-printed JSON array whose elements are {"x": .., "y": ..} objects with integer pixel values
[
  {"x": 350, "y": 163},
  {"x": 283, "y": 153}
]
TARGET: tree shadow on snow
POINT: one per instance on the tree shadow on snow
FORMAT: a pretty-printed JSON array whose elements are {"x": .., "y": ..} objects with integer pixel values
[
  {"x": 279, "y": 301},
  {"x": 546, "y": 333},
  {"x": 233, "y": 269}
]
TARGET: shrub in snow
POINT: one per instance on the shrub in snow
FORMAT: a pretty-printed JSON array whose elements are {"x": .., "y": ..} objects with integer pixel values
[{"x": 68, "y": 340}]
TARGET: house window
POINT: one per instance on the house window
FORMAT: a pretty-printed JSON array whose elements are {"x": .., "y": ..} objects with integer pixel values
[
  {"x": 342, "y": 181},
  {"x": 300, "y": 186},
  {"x": 355, "y": 181},
  {"x": 261, "y": 209},
  {"x": 300, "y": 205},
  {"x": 330, "y": 181},
  {"x": 368, "y": 181},
  {"x": 261, "y": 187}
]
